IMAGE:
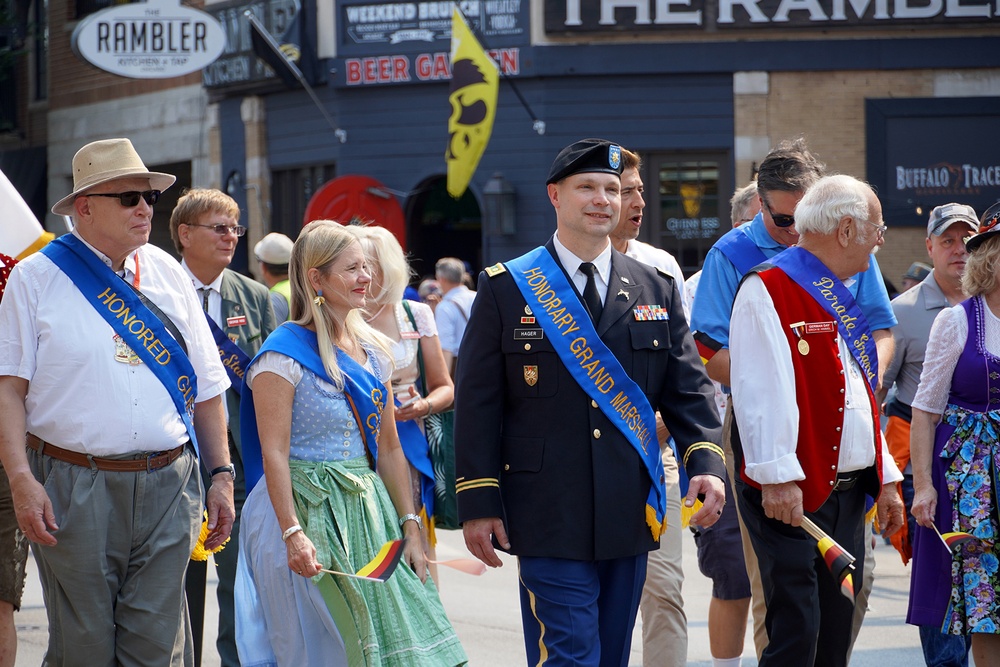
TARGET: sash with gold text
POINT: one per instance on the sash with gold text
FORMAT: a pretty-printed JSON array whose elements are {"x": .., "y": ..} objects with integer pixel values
[
  {"x": 138, "y": 326},
  {"x": 233, "y": 358},
  {"x": 595, "y": 368},
  {"x": 362, "y": 390},
  {"x": 821, "y": 284}
]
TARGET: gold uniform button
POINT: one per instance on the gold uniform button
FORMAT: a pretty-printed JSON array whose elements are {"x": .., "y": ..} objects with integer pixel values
[
  {"x": 506, "y": 466},
  {"x": 597, "y": 433},
  {"x": 527, "y": 346},
  {"x": 656, "y": 343},
  {"x": 593, "y": 403}
]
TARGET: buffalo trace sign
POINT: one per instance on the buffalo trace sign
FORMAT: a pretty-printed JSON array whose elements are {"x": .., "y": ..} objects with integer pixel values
[{"x": 158, "y": 39}]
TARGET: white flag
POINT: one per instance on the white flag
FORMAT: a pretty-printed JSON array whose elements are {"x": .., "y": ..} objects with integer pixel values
[{"x": 20, "y": 232}]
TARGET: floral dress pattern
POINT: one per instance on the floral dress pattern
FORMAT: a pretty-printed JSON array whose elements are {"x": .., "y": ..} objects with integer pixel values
[{"x": 971, "y": 461}]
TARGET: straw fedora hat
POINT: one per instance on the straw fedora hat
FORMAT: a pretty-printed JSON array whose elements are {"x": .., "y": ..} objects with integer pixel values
[{"x": 102, "y": 161}]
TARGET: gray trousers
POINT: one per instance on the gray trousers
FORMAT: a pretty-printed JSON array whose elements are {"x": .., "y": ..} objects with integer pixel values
[{"x": 114, "y": 584}]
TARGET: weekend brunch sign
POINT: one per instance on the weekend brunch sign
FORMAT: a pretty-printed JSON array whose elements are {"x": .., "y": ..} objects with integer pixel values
[{"x": 157, "y": 39}]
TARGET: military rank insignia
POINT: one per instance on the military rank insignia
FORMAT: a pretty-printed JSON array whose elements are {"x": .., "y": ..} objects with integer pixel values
[
  {"x": 649, "y": 313},
  {"x": 495, "y": 270},
  {"x": 531, "y": 375}
]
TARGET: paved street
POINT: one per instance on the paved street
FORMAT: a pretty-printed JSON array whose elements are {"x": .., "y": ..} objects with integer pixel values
[{"x": 485, "y": 613}]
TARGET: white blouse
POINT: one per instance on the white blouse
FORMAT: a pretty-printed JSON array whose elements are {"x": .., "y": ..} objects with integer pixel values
[{"x": 949, "y": 334}]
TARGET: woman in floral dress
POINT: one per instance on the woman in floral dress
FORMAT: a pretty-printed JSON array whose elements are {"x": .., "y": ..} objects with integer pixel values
[{"x": 955, "y": 451}]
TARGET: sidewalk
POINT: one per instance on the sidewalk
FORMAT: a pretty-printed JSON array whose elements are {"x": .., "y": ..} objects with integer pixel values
[{"x": 485, "y": 613}]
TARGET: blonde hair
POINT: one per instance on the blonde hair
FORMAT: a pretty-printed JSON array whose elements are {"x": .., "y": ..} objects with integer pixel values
[
  {"x": 383, "y": 250},
  {"x": 319, "y": 245},
  {"x": 195, "y": 203},
  {"x": 980, "y": 275}
]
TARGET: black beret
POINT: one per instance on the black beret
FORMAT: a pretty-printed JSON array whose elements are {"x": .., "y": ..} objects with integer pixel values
[{"x": 586, "y": 156}]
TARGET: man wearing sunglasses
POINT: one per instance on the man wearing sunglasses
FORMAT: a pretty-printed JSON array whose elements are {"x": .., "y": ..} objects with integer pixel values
[
  {"x": 110, "y": 393},
  {"x": 204, "y": 227},
  {"x": 785, "y": 174}
]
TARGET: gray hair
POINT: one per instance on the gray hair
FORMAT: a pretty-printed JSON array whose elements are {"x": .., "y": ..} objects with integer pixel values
[
  {"x": 829, "y": 201},
  {"x": 789, "y": 167},
  {"x": 451, "y": 269},
  {"x": 741, "y": 202}
]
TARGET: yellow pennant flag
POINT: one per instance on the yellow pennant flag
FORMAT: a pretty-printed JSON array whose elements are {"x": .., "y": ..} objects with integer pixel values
[
  {"x": 475, "y": 82},
  {"x": 20, "y": 232}
]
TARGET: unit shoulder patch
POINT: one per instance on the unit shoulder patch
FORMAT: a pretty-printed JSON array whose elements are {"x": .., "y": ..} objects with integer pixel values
[{"x": 495, "y": 270}]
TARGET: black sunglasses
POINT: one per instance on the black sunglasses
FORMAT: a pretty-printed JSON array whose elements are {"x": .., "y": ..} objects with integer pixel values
[
  {"x": 130, "y": 198},
  {"x": 780, "y": 220}
]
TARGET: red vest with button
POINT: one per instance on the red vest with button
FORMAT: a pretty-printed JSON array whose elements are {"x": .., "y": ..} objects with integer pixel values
[{"x": 819, "y": 389}]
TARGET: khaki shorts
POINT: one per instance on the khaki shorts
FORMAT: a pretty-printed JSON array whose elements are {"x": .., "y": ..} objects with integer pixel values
[{"x": 13, "y": 548}]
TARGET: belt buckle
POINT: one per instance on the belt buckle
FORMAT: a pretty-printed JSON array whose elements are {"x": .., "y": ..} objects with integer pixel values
[{"x": 149, "y": 461}]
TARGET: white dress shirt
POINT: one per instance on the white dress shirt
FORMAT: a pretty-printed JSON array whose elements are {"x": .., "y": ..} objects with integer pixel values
[
  {"x": 214, "y": 294},
  {"x": 764, "y": 398},
  {"x": 660, "y": 259},
  {"x": 79, "y": 397},
  {"x": 572, "y": 264}
]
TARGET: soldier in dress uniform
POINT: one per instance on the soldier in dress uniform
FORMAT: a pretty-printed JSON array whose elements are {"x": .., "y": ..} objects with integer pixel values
[{"x": 567, "y": 352}]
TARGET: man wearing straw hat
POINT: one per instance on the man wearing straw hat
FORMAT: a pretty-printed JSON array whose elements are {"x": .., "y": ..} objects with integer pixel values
[
  {"x": 820, "y": 455},
  {"x": 110, "y": 388}
]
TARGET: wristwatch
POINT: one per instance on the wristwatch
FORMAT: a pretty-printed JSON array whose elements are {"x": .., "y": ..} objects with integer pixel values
[
  {"x": 229, "y": 468},
  {"x": 411, "y": 517}
]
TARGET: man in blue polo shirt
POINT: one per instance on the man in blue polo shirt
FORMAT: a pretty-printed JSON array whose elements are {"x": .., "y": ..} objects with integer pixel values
[{"x": 784, "y": 176}]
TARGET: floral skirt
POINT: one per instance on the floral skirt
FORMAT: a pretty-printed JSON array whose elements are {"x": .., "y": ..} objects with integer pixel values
[{"x": 972, "y": 477}]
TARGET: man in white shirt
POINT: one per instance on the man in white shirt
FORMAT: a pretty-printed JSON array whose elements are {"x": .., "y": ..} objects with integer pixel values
[
  {"x": 664, "y": 624},
  {"x": 452, "y": 314},
  {"x": 95, "y": 376},
  {"x": 205, "y": 229},
  {"x": 795, "y": 327}
]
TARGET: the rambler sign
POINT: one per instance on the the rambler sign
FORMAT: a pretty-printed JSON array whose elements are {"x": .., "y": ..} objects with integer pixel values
[
  {"x": 612, "y": 16},
  {"x": 158, "y": 39}
]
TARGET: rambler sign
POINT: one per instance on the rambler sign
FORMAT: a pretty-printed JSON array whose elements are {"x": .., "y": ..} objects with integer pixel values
[
  {"x": 565, "y": 16},
  {"x": 157, "y": 39}
]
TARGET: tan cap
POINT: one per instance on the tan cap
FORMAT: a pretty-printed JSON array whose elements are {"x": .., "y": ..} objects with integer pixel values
[
  {"x": 106, "y": 160},
  {"x": 274, "y": 248}
]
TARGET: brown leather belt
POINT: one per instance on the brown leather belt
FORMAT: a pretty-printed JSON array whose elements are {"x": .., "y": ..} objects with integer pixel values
[{"x": 154, "y": 461}]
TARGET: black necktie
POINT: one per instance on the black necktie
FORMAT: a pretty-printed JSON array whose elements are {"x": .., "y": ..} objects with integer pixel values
[
  {"x": 591, "y": 296},
  {"x": 205, "y": 291}
]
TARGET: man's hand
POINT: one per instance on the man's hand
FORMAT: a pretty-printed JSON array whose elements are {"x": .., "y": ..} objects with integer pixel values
[
  {"x": 714, "y": 491},
  {"x": 477, "y": 539},
  {"x": 33, "y": 509},
  {"x": 782, "y": 502},
  {"x": 221, "y": 511},
  {"x": 891, "y": 513}
]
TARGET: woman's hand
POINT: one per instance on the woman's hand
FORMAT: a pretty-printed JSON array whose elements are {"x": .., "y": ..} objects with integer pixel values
[
  {"x": 417, "y": 408},
  {"x": 302, "y": 555},
  {"x": 924, "y": 505},
  {"x": 413, "y": 550}
]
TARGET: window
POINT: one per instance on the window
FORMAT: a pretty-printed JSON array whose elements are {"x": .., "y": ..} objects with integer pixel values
[
  {"x": 686, "y": 211},
  {"x": 291, "y": 190}
]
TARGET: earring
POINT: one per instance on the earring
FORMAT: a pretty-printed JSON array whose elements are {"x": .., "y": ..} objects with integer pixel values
[{"x": 319, "y": 300}]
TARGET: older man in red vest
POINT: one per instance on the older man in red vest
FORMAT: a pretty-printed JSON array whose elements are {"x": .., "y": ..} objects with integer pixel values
[{"x": 799, "y": 339}]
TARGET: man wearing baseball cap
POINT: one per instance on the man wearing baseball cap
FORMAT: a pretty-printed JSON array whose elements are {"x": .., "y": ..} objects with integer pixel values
[
  {"x": 110, "y": 392},
  {"x": 273, "y": 252},
  {"x": 948, "y": 228},
  {"x": 567, "y": 350}
]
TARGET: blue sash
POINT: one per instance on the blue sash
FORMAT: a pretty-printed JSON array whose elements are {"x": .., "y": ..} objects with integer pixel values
[
  {"x": 594, "y": 367},
  {"x": 741, "y": 250},
  {"x": 827, "y": 289},
  {"x": 362, "y": 390},
  {"x": 138, "y": 326},
  {"x": 233, "y": 358}
]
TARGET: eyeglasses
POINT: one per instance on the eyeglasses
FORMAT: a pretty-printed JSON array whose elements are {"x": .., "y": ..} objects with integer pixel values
[
  {"x": 130, "y": 198},
  {"x": 879, "y": 230},
  {"x": 221, "y": 230},
  {"x": 780, "y": 220}
]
